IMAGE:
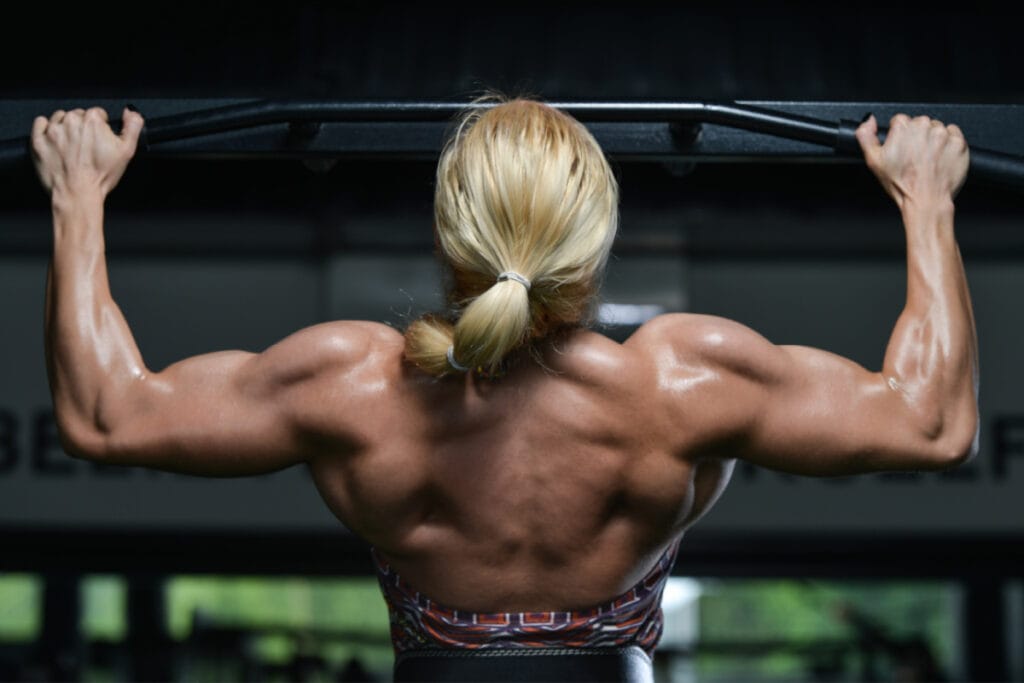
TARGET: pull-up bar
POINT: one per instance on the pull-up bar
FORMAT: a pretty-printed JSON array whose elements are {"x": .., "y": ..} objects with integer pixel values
[{"x": 304, "y": 129}]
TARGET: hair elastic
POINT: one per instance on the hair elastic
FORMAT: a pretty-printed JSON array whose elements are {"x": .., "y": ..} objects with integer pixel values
[
  {"x": 512, "y": 275},
  {"x": 454, "y": 363}
]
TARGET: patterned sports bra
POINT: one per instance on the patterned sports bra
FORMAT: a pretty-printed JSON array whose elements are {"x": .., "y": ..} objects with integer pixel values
[{"x": 633, "y": 618}]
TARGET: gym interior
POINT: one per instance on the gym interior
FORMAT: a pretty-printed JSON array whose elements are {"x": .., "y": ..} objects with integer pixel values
[{"x": 234, "y": 236}]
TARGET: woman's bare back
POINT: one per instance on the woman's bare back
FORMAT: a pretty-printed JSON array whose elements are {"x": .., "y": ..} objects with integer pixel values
[{"x": 551, "y": 488}]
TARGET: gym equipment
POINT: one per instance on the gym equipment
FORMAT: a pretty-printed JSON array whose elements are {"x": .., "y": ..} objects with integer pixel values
[{"x": 682, "y": 131}]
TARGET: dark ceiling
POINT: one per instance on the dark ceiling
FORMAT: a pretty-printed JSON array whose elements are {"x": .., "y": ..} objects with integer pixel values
[
  {"x": 375, "y": 50},
  {"x": 704, "y": 51}
]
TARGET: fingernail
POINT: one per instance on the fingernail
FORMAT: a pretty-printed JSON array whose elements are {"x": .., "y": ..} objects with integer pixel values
[{"x": 866, "y": 117}]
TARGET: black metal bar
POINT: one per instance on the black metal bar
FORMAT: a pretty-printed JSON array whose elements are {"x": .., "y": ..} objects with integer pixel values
[
  {"x": 986, "y": 655},
  {"x": 988, "y": 165},
  {"x": 147, "y": 640},
  {"x": 58, "y": 652},
  {"x": 235, "y": 117},
  {"x": 249, "y": 115}
]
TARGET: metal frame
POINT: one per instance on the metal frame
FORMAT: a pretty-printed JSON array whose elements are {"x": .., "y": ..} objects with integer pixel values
[{"x": 682, "y": 131}]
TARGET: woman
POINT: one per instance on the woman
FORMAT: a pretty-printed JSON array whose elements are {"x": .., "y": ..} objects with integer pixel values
[{"x": 531, "y": 476}]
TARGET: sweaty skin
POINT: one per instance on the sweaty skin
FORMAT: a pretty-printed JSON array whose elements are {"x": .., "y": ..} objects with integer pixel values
[{"x": 551, "y": 488}]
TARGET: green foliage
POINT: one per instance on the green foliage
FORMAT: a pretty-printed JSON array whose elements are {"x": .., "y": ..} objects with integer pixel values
[
  {"x": 334, "y": 618},
  {"x": 805, "y": 612},
  {"x": 338, "y": 619},
  {"x": 20, "y": 607},
  {"x": 104, "y": 599}
]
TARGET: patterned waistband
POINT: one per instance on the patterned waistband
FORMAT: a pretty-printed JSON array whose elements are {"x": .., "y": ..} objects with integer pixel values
[{"x": 633, "y": 618}]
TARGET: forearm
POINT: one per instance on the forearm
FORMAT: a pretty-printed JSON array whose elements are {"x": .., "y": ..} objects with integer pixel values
[
  {"x": 91, "y": 354},
  {"x": 932, "y": 355}
]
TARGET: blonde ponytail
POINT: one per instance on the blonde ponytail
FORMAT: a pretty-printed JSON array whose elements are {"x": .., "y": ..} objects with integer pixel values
[
  {"x": 495, "y": 323},
  {"x": 426, "y": 344},
  {"x": 526, "y": 209}
]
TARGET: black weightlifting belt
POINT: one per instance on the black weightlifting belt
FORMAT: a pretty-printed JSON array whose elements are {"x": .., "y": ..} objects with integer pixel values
[{"x": 568, "y": 665}]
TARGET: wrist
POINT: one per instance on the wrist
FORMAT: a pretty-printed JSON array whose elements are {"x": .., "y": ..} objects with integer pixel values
[
  {"x": 77, "y": 222},
  {"x": 930, "y": 208},
  {"x": 64, "y": 201}
]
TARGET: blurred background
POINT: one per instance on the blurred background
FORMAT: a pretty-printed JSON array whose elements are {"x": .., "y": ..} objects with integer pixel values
[{"x": 114, "y": 574}]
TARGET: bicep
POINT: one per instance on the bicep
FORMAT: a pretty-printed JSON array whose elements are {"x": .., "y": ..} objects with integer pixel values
[
  {"x": 792, "y": 408},
  {"x": 219, "y": 414},
  {"x": 235, "y": 413},
  {"x": 817, "y": 413}
]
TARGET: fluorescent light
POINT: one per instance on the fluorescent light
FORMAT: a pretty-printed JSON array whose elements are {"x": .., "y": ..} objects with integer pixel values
[
  {"x": 680, "y": 592},
  {"x": 627, "y": 314}
]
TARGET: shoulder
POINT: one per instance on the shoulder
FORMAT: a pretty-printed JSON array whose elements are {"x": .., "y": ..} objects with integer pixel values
[
  {"x": 711, "y": 373},
  {"x": 327, "y": 376},
  {"x": 697, "y": 336},
  {"x": 336, "y": 345},
  {"x": 343, "y": 336},
  {"x": 346, "y": 337}
]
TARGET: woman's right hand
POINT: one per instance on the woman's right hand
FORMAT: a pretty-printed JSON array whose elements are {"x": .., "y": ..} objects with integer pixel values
[
  {"x": 922, "y": 159},
  {"x": 77, "y": 152}
]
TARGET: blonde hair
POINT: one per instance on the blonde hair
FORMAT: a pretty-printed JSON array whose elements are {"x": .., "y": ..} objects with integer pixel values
[{"x": 521, "y": 187}]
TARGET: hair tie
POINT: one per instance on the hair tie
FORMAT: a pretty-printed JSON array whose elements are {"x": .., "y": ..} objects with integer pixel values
[
  {"x": 454, "y": 363},
  {"x": 512, "y": 275}
]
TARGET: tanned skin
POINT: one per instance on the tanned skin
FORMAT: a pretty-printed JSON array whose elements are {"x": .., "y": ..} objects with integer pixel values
[{"x": 548, "y": 489}]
